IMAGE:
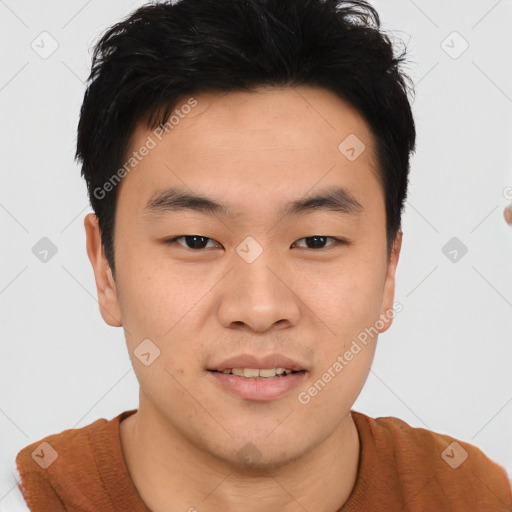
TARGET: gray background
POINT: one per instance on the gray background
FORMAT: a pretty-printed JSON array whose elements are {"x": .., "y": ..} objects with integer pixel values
[{"x": 444, "y": 365}]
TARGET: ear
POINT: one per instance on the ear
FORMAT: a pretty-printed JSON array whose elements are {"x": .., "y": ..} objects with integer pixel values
[
  {"x": 105, "y": 284},
  {"x": 387, "y": 311}
]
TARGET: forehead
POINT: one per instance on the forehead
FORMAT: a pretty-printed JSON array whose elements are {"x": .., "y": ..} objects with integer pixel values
[{"x": 255, "y": 145}]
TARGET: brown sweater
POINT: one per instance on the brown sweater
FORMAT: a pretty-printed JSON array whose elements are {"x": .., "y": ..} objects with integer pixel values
[{"x": 401, "y": 468}]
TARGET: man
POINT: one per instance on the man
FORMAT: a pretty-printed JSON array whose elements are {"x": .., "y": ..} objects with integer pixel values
[{"x": 247, "y": 163}]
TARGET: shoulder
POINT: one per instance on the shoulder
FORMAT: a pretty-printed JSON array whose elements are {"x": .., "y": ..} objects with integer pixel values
[
  {"x": 434, "y": 446},
  {"x": 41, "y": 454},
  {"x": 449, "y": 467},
  {"x": 54, "y": 469}
]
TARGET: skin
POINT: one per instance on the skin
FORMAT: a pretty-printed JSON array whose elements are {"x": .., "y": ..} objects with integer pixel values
[{"x": 254, "y": 151}]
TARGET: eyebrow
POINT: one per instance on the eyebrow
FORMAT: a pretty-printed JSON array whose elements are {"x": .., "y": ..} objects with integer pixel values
[{"x": 330, "y": 199}]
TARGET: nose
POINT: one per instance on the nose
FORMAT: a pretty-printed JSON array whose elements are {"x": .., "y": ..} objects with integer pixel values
[{"x": 258, "y": 296}]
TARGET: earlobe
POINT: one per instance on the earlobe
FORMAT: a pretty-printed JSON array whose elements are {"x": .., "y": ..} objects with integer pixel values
[
  {"x": 105, "y": 283},
  {"x": 387, "y": 312}
]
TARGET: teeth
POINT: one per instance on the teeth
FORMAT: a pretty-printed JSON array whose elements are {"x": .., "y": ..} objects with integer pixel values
[{"x": 256, "y": 372}]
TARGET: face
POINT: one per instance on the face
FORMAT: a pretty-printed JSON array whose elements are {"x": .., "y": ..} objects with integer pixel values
[{"x": 266, "y": 275}]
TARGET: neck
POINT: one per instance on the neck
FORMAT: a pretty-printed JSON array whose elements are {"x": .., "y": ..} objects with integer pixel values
[{"x": 172, "y": 474}]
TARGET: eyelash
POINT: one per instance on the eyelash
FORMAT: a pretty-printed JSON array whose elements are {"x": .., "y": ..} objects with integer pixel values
[{"x": 337, "y": 242}]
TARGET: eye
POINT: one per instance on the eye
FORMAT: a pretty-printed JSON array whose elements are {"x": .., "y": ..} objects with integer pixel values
[
  {"x": 318, "y": 241},
  {"x": 195, "y": 242}
]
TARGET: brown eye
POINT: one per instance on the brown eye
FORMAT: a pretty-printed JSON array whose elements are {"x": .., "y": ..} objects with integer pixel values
[
  {"x": 194, "y": 242},
  {"x": 318, "y": 242}
]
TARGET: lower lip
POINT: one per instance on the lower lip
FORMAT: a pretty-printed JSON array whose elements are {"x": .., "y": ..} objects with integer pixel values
[{"x": 258, "y": 389}]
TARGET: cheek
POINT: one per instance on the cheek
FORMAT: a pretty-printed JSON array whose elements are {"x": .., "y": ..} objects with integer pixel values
[
  {"x": 349, "y": 305},
  {"x": 154, "y": 296},
  {"x": 346, "y": 300},
  {"x": 160, "y": 303}
]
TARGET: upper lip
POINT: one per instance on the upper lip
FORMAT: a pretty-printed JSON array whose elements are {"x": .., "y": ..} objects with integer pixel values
[{"x": 252, "y": 361}]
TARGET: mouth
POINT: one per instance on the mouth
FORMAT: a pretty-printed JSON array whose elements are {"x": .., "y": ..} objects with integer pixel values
[
  {"x": 258, "y": 373},
  {"x": 259, "y": 379}
]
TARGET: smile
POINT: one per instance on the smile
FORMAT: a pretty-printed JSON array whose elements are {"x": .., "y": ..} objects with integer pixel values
[{"x": 258, "y": 372}]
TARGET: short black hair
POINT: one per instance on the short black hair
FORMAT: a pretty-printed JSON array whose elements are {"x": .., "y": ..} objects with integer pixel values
[{"x": 163, "y": 51}]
